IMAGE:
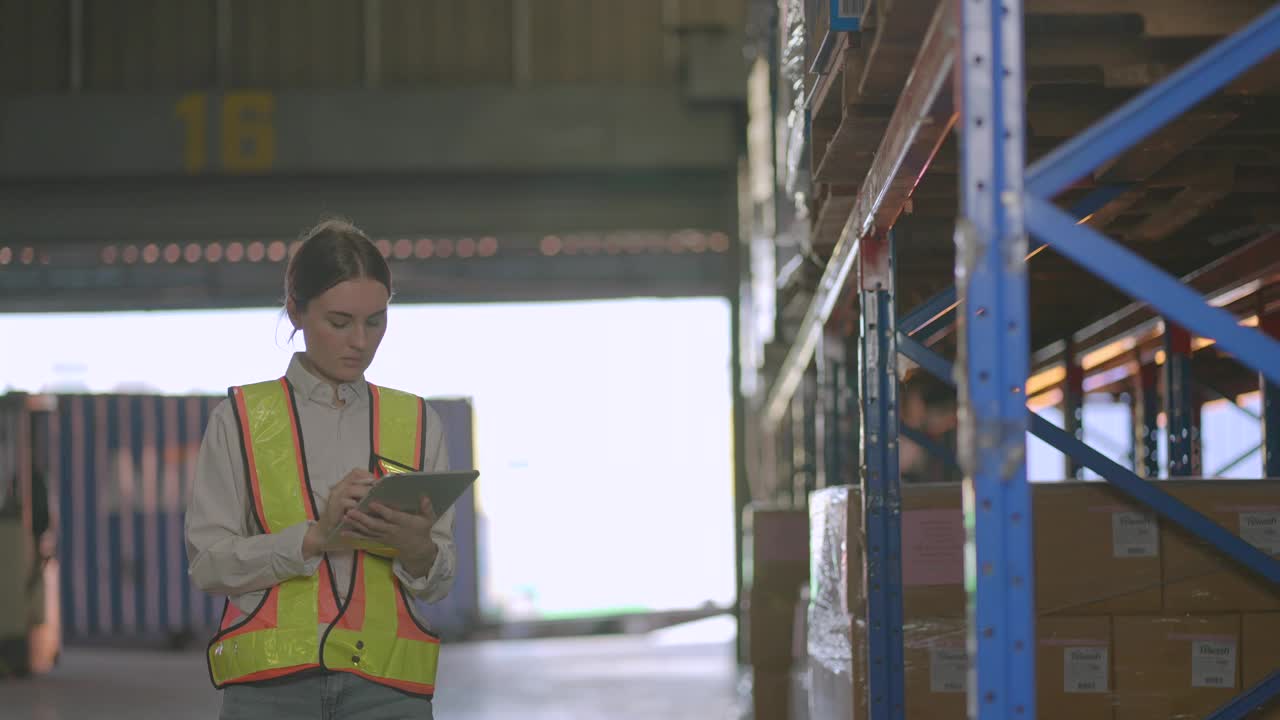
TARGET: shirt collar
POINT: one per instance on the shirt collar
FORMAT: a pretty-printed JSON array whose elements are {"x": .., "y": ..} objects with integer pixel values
[{"x": 307, "y": 385}]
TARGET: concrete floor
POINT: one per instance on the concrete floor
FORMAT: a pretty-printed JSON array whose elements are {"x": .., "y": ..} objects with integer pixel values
[{"x": 684, "y": 672}]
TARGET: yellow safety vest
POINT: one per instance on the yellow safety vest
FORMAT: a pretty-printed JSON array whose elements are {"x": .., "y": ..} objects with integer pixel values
[{"x": 374, "y": 634}]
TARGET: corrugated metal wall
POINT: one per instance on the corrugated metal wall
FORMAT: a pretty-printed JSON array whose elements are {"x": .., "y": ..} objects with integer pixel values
[
  {"x": 120, "y": 468},
  {"x": 599, "y": 41},
  {"x": 297, "y": 43},
  {"x": 444, "y": 42},
  {"x": 33, "y": 46},
  {"x": 171, "y": 45},
  {"x": 148, "y": 45}
]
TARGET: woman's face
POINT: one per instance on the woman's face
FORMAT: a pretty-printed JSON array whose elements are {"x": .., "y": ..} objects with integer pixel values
[{"x": 343, "y": 327}]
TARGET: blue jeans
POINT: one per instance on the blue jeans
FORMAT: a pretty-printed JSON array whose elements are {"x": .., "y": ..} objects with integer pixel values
[{"x": 326, "y": 696}]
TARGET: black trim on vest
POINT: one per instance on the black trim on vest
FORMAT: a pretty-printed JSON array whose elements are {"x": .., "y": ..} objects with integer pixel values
[{"x": 343, "y": 605}]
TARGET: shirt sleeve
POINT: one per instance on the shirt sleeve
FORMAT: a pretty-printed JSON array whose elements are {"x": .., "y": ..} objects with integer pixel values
[
  {"x": 227, "y": 553},
  {"x": 439, "y": 580}
]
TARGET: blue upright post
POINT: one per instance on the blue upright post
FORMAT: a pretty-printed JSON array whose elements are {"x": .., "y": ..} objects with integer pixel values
[
  {"x": 1270, "y": 324},
  {"x": 1146, "y": 430},
  {"x": 992, "y": 283},
  {"x": 1177, "y": 399},
  {"x": 882, "y": 505}
]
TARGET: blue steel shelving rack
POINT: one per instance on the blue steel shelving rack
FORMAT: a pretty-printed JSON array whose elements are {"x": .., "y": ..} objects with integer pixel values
[
  {"x": 977, "y": 45},
  {"x": 1000, "y": 202}
]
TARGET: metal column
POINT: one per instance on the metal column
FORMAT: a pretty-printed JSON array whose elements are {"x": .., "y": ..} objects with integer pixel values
[
  {"x": 1073, "y": 404},
  {"x": 1177, "y": 399},
  {"x": 1146, "y": 430},
  {"x": 991, "y": 245},
  {"x": 1270, "y": 324},
  {"x": 881, "y": 495}
]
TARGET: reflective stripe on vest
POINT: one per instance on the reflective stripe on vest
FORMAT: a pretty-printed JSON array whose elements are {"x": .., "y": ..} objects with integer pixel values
[{"x": 374, "y": 634}]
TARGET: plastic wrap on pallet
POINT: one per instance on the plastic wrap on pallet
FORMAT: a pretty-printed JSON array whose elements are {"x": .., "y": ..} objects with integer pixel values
[
  {"x": 793, "y": 126},
  {"x": 828, "y": 631}
]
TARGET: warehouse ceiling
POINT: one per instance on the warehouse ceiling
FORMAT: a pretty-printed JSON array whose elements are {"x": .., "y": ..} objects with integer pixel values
[{"x": 497, "y": 150}]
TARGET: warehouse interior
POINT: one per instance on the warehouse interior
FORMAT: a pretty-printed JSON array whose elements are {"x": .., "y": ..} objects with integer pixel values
[{"x": 886, "y": 359}]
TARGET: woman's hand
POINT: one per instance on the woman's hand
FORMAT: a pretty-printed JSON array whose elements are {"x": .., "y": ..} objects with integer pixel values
[
  {"x": 343, "y": 498},
  {"x": 408, "y": 533}
]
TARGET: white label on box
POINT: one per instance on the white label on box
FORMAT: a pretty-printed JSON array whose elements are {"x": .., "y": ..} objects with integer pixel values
[
  {"x": 948, "y": 670},
  {"x": 1134, "y": 534},
  {"x": 1085, "y": 669},
  {"x": 1213, "y": 663},
  {"x": 1261, "y": 530}
]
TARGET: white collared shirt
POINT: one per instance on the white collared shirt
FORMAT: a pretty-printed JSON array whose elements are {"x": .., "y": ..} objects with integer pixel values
[{"x": 229, "y": 557}]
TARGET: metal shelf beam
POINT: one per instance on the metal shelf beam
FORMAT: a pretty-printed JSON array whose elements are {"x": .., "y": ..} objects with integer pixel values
[{"x": 919, "y": 124}]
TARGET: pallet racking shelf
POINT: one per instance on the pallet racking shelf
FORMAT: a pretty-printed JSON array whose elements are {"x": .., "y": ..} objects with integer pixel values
[{"x": 969, "y": 75}]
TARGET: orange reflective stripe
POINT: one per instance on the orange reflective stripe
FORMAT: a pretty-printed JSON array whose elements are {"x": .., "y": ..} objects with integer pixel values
[
  {"x": 328, "y": 603},
  {"x": 353, "y": 614}
]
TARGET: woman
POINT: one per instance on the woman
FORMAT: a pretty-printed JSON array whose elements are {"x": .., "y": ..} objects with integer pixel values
[{"x": 320, "y": 620}]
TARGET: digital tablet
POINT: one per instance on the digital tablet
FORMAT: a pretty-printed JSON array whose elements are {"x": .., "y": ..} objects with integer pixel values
[{"x": 404, "y": 492}]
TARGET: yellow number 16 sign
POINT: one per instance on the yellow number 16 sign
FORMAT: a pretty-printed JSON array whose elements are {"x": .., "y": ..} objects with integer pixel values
[{"x": 246, "y": 137}]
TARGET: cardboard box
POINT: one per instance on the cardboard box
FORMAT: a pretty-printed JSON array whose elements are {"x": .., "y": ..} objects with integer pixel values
[
  {"x": 771, "y": 694},
  {"x": 1197, "y": 578},
  {"x": 1073, "y": 668},
  {"x": 770, "y": 623},
  {"x": 935, "y": 669},
  {"x": 1175, "y": 667},
  {"x": 1096, "y": 552},
  {"x": 775, "y": 547},
  {"x": 1260, "y": 656},
  {"x": 932, "y": 552}
]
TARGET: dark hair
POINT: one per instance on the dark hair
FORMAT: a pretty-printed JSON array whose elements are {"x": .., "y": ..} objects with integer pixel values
[{"x": 332, "y": 252}]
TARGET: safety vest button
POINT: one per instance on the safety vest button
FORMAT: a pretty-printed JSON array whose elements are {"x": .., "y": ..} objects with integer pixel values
[
  {"x": 359, "y": 644},
  {"x": 355, "y": 659}
]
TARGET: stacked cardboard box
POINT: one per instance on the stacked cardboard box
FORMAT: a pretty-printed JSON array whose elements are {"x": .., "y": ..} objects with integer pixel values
[
  {"x": 1136, "y": 619},
  {"x": 776, "y": 557}
]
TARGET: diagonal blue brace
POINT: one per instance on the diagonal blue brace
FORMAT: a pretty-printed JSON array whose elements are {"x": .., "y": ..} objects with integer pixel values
[
  {"x": 1155, "y": 107},
  {"x": 1244, "y": 704},
  {"x": 1122, "y": 478},
  {"x": 939, "y": 311},
  {"x": 1143, "y": 281}
]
